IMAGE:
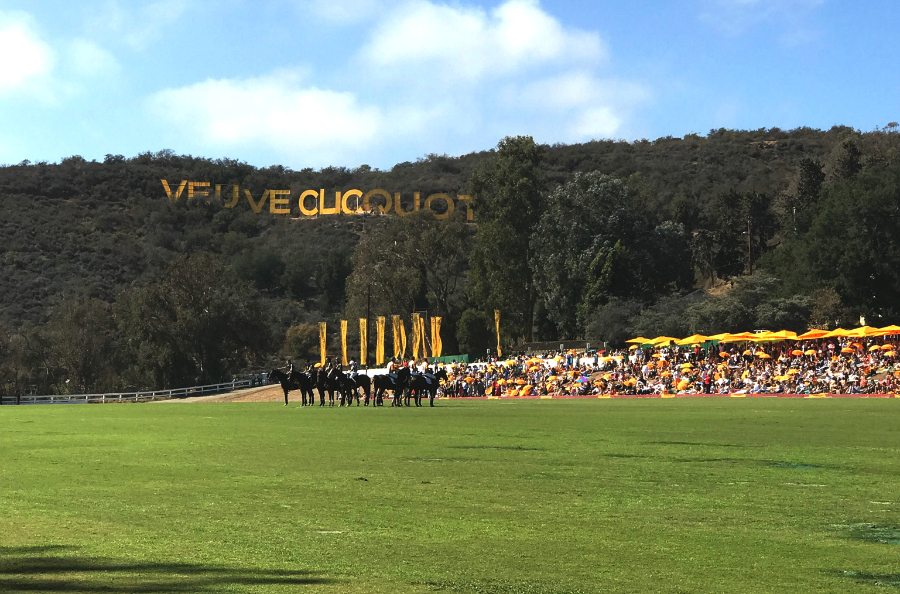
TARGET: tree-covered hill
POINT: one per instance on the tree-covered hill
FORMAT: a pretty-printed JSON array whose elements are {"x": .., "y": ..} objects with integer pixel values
[{"x": 589, "y": 240}]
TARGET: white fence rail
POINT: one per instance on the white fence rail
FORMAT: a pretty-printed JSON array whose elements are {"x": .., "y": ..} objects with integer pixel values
[{"x": 131, "y": 396}]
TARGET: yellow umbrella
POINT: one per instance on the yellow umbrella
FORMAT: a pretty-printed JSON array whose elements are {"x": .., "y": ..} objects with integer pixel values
[
  {"x": 847, "y": 350},
  {"x": 793, "y": 371},
  {"x": 692, "y": 340},
  {"x": 797, "y": 352},
  {"x": 639, "y": 340},
  {"x": 663, "y": 340},
  {"x": 874, "y": 347},
  {"x": 763, "y": 356},
  {"x": 864, "y": 331},
  {"x": 686, "y": 365},
  {"x": 887, "y": 347},
  {"x": 739, "y": 337},
  {"x": 889, "y": 330},
  {"x": 632, "y": 347},
  {"x": 717, "y": 336},
  {"x": 747, "y": 352},
  {"x": 889, "y": 353},
  {"x": 837, "y": 333},
  {"x": 810, "y": 352},
  {"x": 766, "y": 336}
]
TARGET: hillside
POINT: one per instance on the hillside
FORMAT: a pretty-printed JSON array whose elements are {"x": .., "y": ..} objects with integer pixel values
[{"x": 82, "y": 230}]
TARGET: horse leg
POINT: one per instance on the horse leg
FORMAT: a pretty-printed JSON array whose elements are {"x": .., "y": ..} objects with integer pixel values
[
  {"x": 321, "y": 396},
  {"x": 431, "y": 395},
  {"x": 285, "y": 394}
]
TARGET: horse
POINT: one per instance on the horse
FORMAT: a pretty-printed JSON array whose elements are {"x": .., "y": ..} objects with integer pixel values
[
  {"x": 350, "y": 387},
  {"x": 428, "y": 382},
  {"x": 294, "y": 381},
  {"x": 324, "y": 383},
  {"x": 395, "y": 382}
]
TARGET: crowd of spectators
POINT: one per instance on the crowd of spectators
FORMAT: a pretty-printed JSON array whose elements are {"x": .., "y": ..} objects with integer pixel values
[{"x": 830, "y": 364}]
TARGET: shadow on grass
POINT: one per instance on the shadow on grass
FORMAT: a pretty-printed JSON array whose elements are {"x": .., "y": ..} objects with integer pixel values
[
  {"x": 878, "y": 533},
  {"x": 514, "y": 448},
  {"x": 700, "y": 443},
  {"x": 874, "y": 579},
  {"x": 56, "y": 568}
]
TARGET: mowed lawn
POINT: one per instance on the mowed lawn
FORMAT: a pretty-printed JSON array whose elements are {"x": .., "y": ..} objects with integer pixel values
[{"x": 703, "y": 495}]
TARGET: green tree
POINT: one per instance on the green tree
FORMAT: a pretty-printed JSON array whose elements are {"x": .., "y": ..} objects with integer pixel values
[
  {"x": 84, "y": 344},
  {"x": 508, "y": 199},
  {"x": 197, "y": 323}
]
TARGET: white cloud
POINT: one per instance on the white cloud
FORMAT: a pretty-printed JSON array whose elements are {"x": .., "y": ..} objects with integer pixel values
[
  {"x": 87, "y": 59},
  {"x": 310, "y": 125},
  {"x": 25, "y": 58},
  {"x": 583, "y": 105},
  {"x": 137, "y": 25},
  {"x": 427, "y": 77},
  {"x": 468, "y": 44}
]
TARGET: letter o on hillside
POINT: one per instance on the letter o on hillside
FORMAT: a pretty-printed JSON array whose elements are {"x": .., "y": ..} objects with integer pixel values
[
  {"x": 374, "y": 193},
  {"x": 447, "y": 200}
]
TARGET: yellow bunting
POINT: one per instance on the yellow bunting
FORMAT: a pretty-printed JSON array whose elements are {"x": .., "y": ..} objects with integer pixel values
[
  {"x": 437, "y": 345},
  {"x": 344, "y": 342},
  {"x": 497, "y": 326},
  {"x": 363, "y": 340},
  {"x": 416, "y": 342},
  {"x": 322, "y": 334},
  {"x": 379, "y": 340}
]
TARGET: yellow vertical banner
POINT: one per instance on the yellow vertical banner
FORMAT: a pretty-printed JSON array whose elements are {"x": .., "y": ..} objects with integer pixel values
[
  {"x": 379, "y": 340},
  {"x": 437, "y": 347},
  {"x": 322, "y": 334},
  {"x": 423, "y": 344},
  {"x": 344, "y": 342},
  {"x": 402, "y": 338},
  {"x": 415, "y": 336},
  {"x": 497, "y": 324},
  {"x": 395, "y": 329},
  {"x": 363, "y": 340}
]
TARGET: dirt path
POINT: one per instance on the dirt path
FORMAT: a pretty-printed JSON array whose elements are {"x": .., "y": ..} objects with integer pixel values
[{"x": 271, "y": 393}]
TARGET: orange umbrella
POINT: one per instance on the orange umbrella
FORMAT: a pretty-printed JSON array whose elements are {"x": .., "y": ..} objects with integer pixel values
[
  {"x": 887, "y": 347},
  {"x": 889, "y": 353},
  {"x": 797, "y": 352},
  {"x": 763, "y": 356},
  {"x": 889, "y": 330},
  {"x": 723, "y": 354},
  {"x": 874, "y": 347},
  {"x": 847, "y": 350},
  {"x": 810, "y": 352},
  {"x": 812, "y": 334}
]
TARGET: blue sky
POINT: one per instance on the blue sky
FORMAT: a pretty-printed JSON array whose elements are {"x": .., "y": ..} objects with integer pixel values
[{"x": 311, "y": 83}]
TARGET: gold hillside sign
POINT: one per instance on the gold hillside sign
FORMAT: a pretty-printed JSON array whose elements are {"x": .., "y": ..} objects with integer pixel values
[{"x": 313, "y": 203}]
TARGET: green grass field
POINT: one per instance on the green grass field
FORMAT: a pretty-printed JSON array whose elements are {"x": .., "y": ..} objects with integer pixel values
[{"x": 711, "y": 495}]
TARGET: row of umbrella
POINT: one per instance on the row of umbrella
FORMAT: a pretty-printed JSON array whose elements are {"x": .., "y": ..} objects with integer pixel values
[{"x": 767, "y": 336}]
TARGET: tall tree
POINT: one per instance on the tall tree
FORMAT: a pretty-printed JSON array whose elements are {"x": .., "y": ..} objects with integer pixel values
[
  {"x": 507, "y": 193},
  {"x": 197, "y": 323}
]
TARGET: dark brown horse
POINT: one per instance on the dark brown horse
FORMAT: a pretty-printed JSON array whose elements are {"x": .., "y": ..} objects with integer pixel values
[
  {"x": 295, "y": 381},
  {"x": 425, "y": 382},
  {"x": 395, "y": 382}
]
